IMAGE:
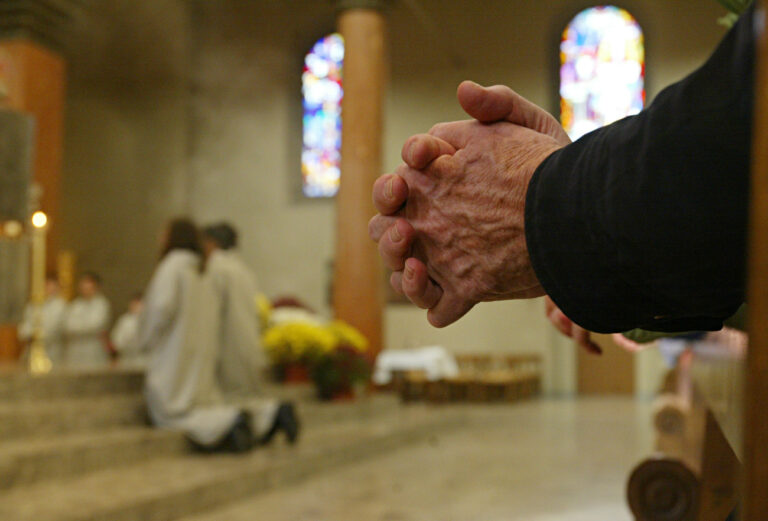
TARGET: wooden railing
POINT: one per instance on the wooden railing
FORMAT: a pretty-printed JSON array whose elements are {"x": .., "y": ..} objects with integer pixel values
[{"x": 755, "y": 496}]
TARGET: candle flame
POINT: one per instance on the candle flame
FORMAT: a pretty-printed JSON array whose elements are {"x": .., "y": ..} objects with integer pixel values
[{"x": 39, "y": 219}]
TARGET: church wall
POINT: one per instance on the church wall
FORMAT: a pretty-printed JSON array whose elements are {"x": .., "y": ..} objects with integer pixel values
[
  {"x": 245, "y": 140},
  {"x": 213, "y": 127},
  {"x": 125, "y": 137}
]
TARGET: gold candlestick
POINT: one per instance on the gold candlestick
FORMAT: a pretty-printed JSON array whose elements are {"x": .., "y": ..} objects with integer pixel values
[{"x": 39, "y": 361}]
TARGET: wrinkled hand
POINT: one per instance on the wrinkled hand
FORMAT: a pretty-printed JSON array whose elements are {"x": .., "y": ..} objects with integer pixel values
[
  {"x": 567, "y": 327},
  {"x": 465, "y": 208},
  {"x": 396, "y": 235}
]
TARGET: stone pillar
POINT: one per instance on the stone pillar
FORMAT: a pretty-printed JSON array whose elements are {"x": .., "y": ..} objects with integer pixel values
[
  {"x": 358, "y": 296},
  {"x": 32, "y": 79}
]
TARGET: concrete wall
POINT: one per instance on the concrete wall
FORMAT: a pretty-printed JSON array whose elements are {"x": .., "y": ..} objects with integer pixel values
[
  {"x": 207, "y": 118},
  {"x": 125, "y": 137}
]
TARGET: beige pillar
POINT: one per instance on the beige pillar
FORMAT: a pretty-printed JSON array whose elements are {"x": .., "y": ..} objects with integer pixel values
[{"x": 358, "y": 278}]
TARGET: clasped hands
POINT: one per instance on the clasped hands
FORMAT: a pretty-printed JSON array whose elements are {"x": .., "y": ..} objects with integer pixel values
[{"x": 451, "y": 221}]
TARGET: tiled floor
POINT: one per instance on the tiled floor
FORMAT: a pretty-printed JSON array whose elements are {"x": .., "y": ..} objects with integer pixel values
[{"x": 540, "y": 461}]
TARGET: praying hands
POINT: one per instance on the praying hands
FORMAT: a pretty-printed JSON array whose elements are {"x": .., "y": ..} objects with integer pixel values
[{"x": 451, "y": 222}]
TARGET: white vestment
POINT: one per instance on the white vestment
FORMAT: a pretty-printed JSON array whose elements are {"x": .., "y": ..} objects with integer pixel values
[
  {"x": 179, "y": 328},
  {"x": 125, "y": 339},
  {"x": 241, "y": 359},
  {"x": 85, "y": 327},
  {"x": 53, "y": 313}
]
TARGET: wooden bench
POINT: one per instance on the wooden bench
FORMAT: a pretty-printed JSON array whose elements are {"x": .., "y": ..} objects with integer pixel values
[{"x": 694, "y": 472}]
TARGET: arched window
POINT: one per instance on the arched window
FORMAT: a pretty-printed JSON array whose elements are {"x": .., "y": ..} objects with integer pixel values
[
  {"x": 602, "y": 68},
  {"x": 322, "y": 90}
]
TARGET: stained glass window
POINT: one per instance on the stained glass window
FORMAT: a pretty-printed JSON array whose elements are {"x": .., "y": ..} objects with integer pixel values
[
  {"x": 322, "y": 90},
  {"x": 602, "y": 68}
]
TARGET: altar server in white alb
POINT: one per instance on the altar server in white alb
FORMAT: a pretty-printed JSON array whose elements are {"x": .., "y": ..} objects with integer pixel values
[
  {"x": 179, "y": 327},
  {"x": 86, "y": 324},
  {"x": 241, "y": 359},
  {"x": 52, "y": 320}
]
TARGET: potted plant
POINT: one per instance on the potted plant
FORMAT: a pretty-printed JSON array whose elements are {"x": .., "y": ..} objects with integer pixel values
[
  {"x": 292, "y": 348},
  {"x": 337, "y": 372}
]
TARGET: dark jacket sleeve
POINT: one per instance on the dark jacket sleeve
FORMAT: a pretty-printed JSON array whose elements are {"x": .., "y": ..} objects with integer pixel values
[{"x": 643, "y": 223}]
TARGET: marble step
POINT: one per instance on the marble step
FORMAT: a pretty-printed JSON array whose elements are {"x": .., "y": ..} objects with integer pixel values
[
  {"x": 37, "y": 457},
  {"x": 23, "y": 462},
  {"x": 66, "y": 416},
  {"x": 17, "y": 385},
  {"x": 62, "y": 416},
  {"x": 319, "y": 413},
  {"x": 166, "y": 489}
]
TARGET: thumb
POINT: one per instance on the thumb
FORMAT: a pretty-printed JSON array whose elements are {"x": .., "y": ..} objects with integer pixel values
[
  {"x": 500, "y": 103},
  {"x": 448, "y": 310}
]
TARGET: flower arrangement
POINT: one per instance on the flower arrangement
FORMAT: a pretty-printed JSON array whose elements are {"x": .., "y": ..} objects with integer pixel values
[
  {"x": 347, "y": 335},
  {"x": 291, "y": 342},
  {"x": 298, "y": 342},
  {"x": 337, "y": 372}
]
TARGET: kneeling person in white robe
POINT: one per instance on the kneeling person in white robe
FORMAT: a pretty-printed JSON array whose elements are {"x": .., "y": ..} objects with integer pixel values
[
  {"x": 179, "y": 328},
  {"x": 241, "y": 360}
]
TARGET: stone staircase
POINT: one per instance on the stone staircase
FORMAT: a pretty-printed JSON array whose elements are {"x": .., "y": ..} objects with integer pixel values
[{"x": 75, "y": 447}]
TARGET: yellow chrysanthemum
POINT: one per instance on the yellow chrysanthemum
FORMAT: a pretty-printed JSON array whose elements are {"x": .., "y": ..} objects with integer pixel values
[
  {"x": 348, "y": 335},
  {"x": 296, "y": 341},
  {"x": 264, "y": 310}
]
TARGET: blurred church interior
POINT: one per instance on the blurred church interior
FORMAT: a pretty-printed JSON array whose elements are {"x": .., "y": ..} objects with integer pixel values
[{"x": 118, "y": 115}]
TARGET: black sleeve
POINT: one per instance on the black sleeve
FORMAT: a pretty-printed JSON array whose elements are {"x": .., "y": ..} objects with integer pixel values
[{"x": 643, "y": 223}]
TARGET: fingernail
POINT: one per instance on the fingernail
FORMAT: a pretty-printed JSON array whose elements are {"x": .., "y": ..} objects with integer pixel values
[
  {"x": 394, "y": 234},
  {"x": 408, "y": 273},
  {"x": 409, "y": 152},
  {"x": 390, "y": 189}
]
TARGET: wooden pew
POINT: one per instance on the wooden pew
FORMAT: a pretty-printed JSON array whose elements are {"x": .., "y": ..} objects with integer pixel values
[
  {"x": 732, "y": 393},
  {"x": 694, "y": 473}
]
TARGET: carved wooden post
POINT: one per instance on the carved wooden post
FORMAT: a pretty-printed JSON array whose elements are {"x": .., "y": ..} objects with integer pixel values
[
  {"x": 755, "y": 501},
  {"x": 358, "y": 276}
]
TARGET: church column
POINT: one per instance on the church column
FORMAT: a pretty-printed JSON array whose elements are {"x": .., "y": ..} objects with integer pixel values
[
  {"x": 32, "y": 80},
  {"x": 358, "y": 278}
]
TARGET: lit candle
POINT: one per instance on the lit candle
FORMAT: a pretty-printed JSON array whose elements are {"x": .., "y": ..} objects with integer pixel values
[{"x": 39, "y": 362}]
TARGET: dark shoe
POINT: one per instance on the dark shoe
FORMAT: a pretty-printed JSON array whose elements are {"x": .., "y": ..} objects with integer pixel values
[
  {"x": 239, "y": 439},
  {"x": 290, "y": 422},
  {"x": 286, "y": 421}
]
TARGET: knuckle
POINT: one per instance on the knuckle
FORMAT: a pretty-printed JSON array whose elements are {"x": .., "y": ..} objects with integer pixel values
[
  {"x": 437, "y": 128},
  {"x": 402, "y": 170}
]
